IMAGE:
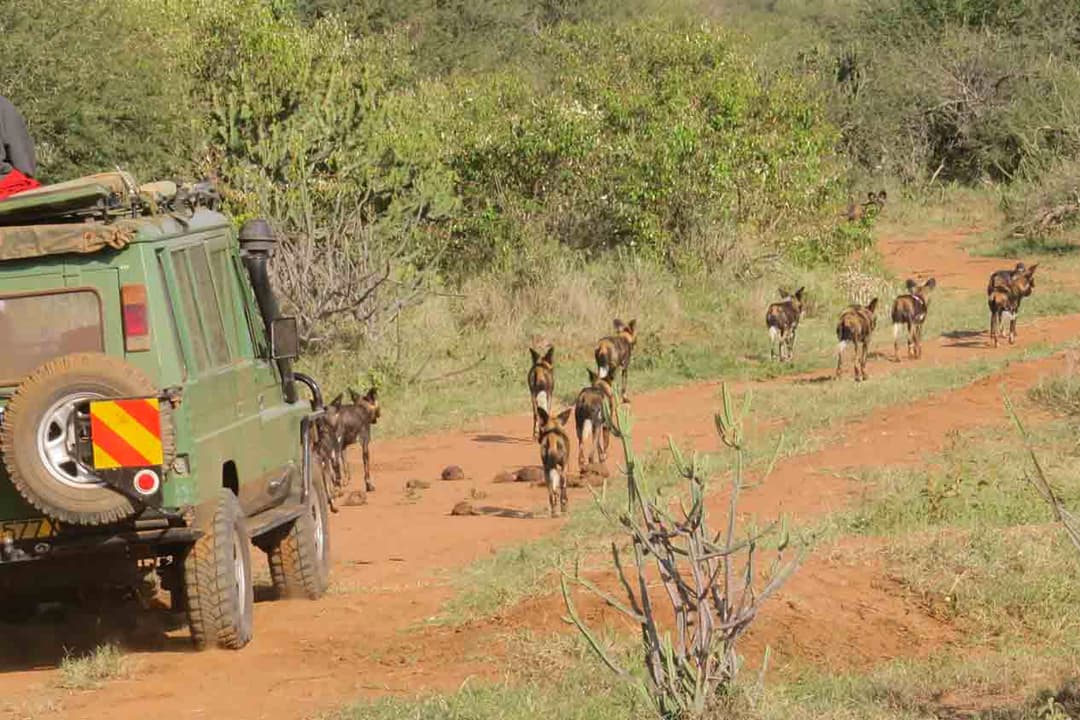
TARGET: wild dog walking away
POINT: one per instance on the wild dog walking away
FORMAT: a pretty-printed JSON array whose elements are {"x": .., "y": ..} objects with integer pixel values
[
  {"x": 856, "y": 325},
  {"x": 909, "y": 313},
  {"x": 352, "y": 425},
  {"x": 1005, "y": 291},
  {"x": 327, "y": 451},
  {"x": 782, "y": 320},
  {"x": 613, "y": 353},
  {"x": 541, "y": 381},
  {"x": 875, "y": 203},
  {"x": 554, "y": 454},
  {"x": 593, "y": 432}
]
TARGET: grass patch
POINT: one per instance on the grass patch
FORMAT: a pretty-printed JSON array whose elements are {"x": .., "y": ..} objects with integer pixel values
[
  {"x": 91, "y": 671},
  {"x": 976, "y": 482},
  {"x": 1014, "y": 684}
]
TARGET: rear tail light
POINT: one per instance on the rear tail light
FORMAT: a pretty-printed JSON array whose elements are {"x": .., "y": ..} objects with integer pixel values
[{"x": 136, "y": 318}]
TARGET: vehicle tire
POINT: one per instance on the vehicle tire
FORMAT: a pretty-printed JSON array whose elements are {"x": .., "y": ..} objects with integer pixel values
[
  {"x": 37, "y": 437},
  {"x": 218, "y": 593},
  {"x": 300, "y": 559}
]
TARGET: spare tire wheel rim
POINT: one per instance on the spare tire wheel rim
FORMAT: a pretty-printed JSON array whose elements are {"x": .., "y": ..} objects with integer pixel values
[{"x": 56, "y": 443}]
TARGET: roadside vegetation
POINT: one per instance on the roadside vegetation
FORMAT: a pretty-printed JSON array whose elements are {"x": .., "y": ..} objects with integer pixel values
[
  {"x": 456, "y": 182},
  {"x": 94, "y": 669}
]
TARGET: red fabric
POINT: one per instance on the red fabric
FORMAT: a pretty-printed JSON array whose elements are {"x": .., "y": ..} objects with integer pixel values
[{"x": 15, "y": 182}]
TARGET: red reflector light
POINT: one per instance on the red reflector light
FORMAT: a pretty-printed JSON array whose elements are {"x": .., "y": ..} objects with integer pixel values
[
  {"x": 136, "y": 318},
  {"x": 147, "y": 482}
]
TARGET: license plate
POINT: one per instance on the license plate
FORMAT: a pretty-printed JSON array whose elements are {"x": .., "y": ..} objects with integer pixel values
[{"x": 34, "y": 529}]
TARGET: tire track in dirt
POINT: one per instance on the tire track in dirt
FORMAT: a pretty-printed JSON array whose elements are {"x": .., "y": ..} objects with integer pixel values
[{"x": 393, "y": 556}]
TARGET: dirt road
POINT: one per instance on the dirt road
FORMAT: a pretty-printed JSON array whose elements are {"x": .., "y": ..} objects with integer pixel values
[{"x": 394, "y": 555}]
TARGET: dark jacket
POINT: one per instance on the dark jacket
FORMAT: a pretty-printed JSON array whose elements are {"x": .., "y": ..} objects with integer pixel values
[{"x": 16, "y": 145}]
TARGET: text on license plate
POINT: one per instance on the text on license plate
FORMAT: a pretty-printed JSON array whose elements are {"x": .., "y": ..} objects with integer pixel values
[{"x": 34, "y": 529}]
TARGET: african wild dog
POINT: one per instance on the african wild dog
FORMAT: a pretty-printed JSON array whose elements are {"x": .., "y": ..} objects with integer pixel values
[
  {"x": 593, "y": 431},
  {"x": 875, "y": 203},
  {"x": 782, "y": 319},
  {"x": 352, "y": 424},
  {"x": 909, "y": 312},
  {"x": 1005, "y": 291},
  {"x": 613, "y": 353},
  {"x": 541, "y": 381},
  {"x": 327, "y": 450},
  {"x": 1003, "y": 277},
  {"x": 555, "y": 455},
  {"x": 856, "y": 325}
]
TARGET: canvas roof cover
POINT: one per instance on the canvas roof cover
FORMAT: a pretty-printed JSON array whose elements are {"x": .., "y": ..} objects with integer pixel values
[{"x": 52, "y": 220}]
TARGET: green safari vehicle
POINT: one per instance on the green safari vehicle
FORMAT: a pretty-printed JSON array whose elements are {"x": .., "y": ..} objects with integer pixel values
[{"x": 150, "y": 422}]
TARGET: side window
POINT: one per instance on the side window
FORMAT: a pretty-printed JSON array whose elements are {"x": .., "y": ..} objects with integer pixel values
[
  {"x": 186, "y": 290},
  {"x": 209, "y": 305},
  {"x": 251, "y": 311},
  {"x": 201, "y": 307},
  {"x": 223, "y": 281}
]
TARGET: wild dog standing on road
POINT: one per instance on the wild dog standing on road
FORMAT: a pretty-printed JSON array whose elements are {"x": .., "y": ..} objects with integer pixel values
[
  {"x": 1005, "y": 291},
  {"x": 541, "y": 384},
  {"x": 613, "y": 353},
  {"x": 856, "y": 325},
  {"x": 328, "y": 449},
  {"x": 782, "y": 319},
  {"x": 1004, "y": 277},
  {"x": 554, "y": 454},
  {"x": 909, "y": 312},
  {"x": 593, "y": 432},
  {"x": 353, "y": 425},
  {"x": 875, "y": 203}
]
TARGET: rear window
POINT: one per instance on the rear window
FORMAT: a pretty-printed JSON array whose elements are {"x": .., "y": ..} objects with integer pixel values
[{"x": 38, "y": 328}]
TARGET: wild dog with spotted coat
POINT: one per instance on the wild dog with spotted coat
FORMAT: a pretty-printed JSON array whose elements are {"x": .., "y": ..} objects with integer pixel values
[
  {"x": 1005, "y": 291},
  {"x": 352, "y": 425},
  {"x": 613, "y": 354},
  {"x": 554, "y": 455},
  {"x": 909, "y": 313},
  {"x": 593, "y": 431},
  {"x": 856, "y": 325},
  {"x": 541, "y": 381},
  {"x": 782, "y": 320}
]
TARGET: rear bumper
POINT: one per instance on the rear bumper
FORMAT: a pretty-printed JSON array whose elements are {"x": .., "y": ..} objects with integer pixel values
[{"x": 74, "y": 542}]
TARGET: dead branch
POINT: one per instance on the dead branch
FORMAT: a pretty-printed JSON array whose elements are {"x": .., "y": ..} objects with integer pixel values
[{"x": 710, "y": 580}]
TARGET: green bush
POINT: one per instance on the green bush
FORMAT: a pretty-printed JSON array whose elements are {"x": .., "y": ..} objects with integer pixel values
[{"x": 100, "y": 86}]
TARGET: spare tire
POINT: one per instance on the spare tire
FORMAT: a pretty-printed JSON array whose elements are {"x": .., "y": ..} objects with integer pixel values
[{"x": 37, "y": 437}]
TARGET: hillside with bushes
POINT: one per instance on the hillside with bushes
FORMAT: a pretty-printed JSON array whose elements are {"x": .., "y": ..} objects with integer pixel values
[{"x": 455, "y": 181}]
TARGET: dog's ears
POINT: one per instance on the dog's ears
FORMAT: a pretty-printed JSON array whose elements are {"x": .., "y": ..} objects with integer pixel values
[
  {"x": 593, "y": 376},
  {"x": 353, "y": 395},
  {"x": 1031, "y": 270},
  {"x": 372, "y": 394},
  {"x": 911, "y": 284},
  {"x": 633, "y": 325},
  {"x": 549, "y": 356},
  {"x": 930, "y": 284},
  {"x": 799, "y": 293},
  {"x": 619, "y": 325},
  {"x": 872, "y": 306},
  {"x": 564, "y": 415},
  {"x": 535, "y": 355},
  {"x": 783, "y": 293},
  {"x": 543, "y": 415},
  {"x": 881, "y": 195},
  {"x": 336, "y": 402},
  {"x": 1020, "y": 267}
]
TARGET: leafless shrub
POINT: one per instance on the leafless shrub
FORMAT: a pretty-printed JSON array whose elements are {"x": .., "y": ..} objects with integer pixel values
[
  {"x": 710, "y": 580},
  {"x": 337, "y": 274}
]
